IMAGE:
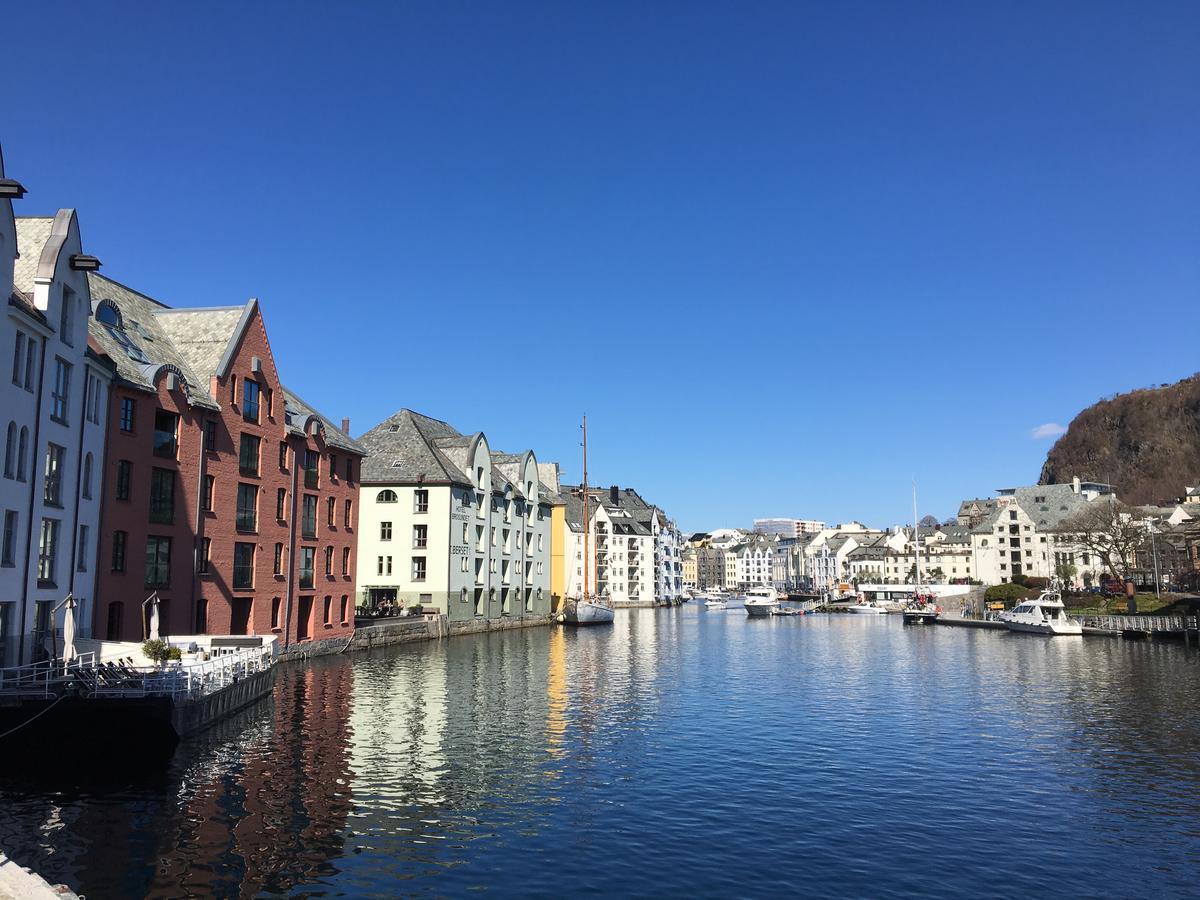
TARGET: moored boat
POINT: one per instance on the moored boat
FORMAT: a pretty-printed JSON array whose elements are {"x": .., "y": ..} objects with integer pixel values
[
  {"x": 1045, "y": 615},
  {"x": 922, "y": 609},
  {"x": 868, "y": 607},
  {"x": 591, "y": 611},
  {"x": 760, "y": 601}
]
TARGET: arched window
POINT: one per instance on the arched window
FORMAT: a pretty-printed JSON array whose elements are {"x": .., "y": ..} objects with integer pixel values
[
  {"x": 87, "y": 477},
  {"x": 108, "y": 314},
  {"x": 983, "y": 543},
  {"x": 10, "y": 451},
  {"x": 22, "y": 453},
  {"x": 386, "y": 497}
]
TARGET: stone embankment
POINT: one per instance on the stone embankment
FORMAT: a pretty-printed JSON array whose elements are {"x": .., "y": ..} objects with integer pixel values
[{"x": 18, "y": 883}]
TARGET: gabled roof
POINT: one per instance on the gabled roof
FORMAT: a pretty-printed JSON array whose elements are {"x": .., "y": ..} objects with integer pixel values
[
  {"x": 203, "y": 337},
  {"x": 142, "y": 330},
  {"x": 402, "y": 449},
  {"x": 32, "y": 234}
]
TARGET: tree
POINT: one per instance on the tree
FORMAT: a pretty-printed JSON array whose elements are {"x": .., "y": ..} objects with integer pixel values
[
  {"x": 1111, "y": 530},
  {"x": 929, "y": 522}
]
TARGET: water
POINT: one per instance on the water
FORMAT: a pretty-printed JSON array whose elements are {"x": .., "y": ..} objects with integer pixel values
[{"x": 680, "y": 752}]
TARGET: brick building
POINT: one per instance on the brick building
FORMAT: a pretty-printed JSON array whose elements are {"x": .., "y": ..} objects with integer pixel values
[{"x": 225, "y": 494}]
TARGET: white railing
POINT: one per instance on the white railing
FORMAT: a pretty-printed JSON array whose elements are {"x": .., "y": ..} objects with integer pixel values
[
  {"x": 40, "y": 678},
  {"x": 1136, "y": 623}
]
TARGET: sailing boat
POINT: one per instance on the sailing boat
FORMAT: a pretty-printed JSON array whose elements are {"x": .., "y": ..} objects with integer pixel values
[
  {"x": 587, "y": 609},
  {"x": 922, "y": 608}
]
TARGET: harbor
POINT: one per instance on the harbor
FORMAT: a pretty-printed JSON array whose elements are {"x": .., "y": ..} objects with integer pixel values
[{"x": 495, "y": 759}]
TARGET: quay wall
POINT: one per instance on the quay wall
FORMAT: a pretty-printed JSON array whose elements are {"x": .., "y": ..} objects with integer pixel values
[
  {"x": 19, "y": 883},
  {"x": 192, "y": 716}
]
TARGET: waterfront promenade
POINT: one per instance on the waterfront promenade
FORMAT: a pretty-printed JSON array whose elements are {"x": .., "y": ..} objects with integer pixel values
[{"x": 680, "y": 742}]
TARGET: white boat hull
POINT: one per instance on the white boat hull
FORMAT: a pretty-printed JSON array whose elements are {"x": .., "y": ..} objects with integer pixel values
[
  {"x": 585, "y": 612},
  {"x": 1044, "y": 627},
  {"x": 868, "y": 610},
  {"x": 760, "y": 608},
  {"x": 714, "y": 604}
]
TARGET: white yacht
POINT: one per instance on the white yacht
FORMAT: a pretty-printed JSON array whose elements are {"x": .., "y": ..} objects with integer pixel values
[
  {"x": 761, "y": 601},
  {"x": 715, "y": 603},
  {"x": 868, "y": 607},
  {"x": 1045, "y": 615}
]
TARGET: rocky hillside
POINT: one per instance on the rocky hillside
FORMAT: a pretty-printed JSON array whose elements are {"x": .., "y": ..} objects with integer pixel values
[{"x": 1146, "y": 443}]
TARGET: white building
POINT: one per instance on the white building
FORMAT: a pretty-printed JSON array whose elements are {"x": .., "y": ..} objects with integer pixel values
[
  {"x": 754, "y": 561},
  {"x": 53, "y": 411},
  {"x": 792, "y": 528},
  {"x": 449, "y": 525}
]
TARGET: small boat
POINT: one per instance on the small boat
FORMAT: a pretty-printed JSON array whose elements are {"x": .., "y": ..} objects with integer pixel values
[
  {"x": 787, "y": 611},
  {"x": 590, "y": 611},
  {"x": 1045, "y": 615},
  {"x": 868, "y": 607},
  {"x": 760, "y": 601},
  {"x": 715, "y": 603},
  {"x": 922, "y": 609}
]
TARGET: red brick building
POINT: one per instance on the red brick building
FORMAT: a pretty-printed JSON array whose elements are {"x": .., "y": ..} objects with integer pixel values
[{"x": 224, "y": 493}]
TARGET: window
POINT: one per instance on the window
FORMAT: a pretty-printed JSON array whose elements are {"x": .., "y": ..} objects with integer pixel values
[
  {"x": 307, "y": 554},
  {"x": 10, "y": 451},
  {"x": 388, "y": 566},
  {"x": 312, "y": 472},
  {"x": 8, "y": 549},
  {"x": 278, "y": 565},
  {"x": 418, "y": 568},
  {"x": 22, "y": 452},
  {"x": 345, "y": 560},
  {"x": 243, "y": 566},
  {"x": 233, "y": 390},
  {"x": 276, "y": 606},
  {"x": 283, "y": 455},
  {"x": 118, "y": 550},
  {"x": 420, "y": 536},
  {"x": 250, "y": 392},
  {"x": 128, "y": 406},
  {"x": 165, "y": 433},
  {"x": 162, "y": 496},
  {"x": 347, "y": 509},
  {"x": 210, "y": 435},
  {"x": 385, "y": 531},
  {"x": 248, "y": 455},
  {"x": 421, "y": 501},
  {"x": 81, "y": 549},
  {"x": 202, "y": 563},
  {"x": 86, "y": 487},
  {"x": 124, "y": 477},
  {"x": 345, "y": 609},
  {"x": 331, "y": 506},
  {"x": 52, "y": 493},
  {"x": 270, "y": 404},
  {"x": 61, "y": 395},
  {"x": 206, "y": 495},
  {"x": 18, "y": 353},
  {"x": 349, "y": 468},
  {"x": 247, "y": 507},
  {"x": 328, "y": 610},
  {"x": 281, "y": 504},
  {"x": 202, "y": 616},
  {"x": 158, "y": 562},
  {"x": 329, "y": 562},
  {"x": 386, "y": 497},
  {"x": 333, "y": 465},
  {"x": 93, "y": 399},
  {"x": 308, "y": 521},
  {"x": 379, "y": 566},
  {"x": 31, "y": 362},
  {"x": 66, "y": 317}
]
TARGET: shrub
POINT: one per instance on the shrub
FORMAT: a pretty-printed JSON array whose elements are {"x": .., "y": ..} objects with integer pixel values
[
  {"x": 1037, "y": 583},
  {"x": 174, "y": 654},
  {"x": 156, "y": 650},
  {"x": 1007, "y": 593},
  {"x": 1020, "y": 579}
]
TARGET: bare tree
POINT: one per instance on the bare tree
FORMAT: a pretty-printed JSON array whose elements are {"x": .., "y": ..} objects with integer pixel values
[{"x": 1109, "y": 529}]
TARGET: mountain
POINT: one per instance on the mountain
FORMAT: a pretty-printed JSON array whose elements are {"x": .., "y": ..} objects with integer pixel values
[{"x": 1145, "y": 443}]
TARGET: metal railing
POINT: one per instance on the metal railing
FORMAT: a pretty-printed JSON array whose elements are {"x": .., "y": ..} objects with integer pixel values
[
  {"x": 1139, "y": 623},
  {"x": 40, "y": 679}
]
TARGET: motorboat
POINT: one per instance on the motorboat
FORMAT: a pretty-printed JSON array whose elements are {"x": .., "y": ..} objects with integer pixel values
[
  {"x": 922, "y": 609},
  {"x": 868, "y": 607},
  {"x": 761, "y": 601},
  {"x": 782, "y": 610},
  {"x": 1045, "y": 615},
  {"x": 589, "y": 611},
  {"x": 715, "y": 603}
]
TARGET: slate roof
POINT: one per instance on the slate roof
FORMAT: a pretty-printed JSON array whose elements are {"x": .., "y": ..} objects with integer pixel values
[
  {"x": 1049, "y": 504},
  {"x": 203, "y": 335},
  {"x": 32, "y": 234},
  {"x": 24, "y": 302},
  {"x": 143, "y": 328},
  {"x": 296, "y": 412}
]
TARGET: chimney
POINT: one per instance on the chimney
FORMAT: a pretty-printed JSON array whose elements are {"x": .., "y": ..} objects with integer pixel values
[
  {"x": 346, "y": 426},
  {"x": 614, "y": 494},
  {"x": 1075, "y": 484}
]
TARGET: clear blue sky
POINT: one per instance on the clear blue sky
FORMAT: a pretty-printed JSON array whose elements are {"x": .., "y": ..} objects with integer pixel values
[{"x": 786, "y": 257}]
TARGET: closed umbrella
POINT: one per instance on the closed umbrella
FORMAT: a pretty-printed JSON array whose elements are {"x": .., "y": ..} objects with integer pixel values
[
  {"x": 154, "y": 618},
  {"x": 68, "y": 653}
]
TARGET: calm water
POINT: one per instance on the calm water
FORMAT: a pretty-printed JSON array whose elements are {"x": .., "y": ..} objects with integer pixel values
[{"x": 679, "y": 753}]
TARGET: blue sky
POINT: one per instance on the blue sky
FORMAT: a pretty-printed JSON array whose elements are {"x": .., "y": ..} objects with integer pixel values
[{"x": 787, "y": 257}]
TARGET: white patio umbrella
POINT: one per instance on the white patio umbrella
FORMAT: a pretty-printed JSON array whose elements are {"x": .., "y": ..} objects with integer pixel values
[
  {"x": 154, "y": 617},
  {"x": 68, "y": 652}
]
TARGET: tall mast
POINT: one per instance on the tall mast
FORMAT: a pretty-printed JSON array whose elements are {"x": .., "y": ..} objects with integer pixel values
[
  {"x": 586, "y": 559},
  {"x": 916, "y": 539}
]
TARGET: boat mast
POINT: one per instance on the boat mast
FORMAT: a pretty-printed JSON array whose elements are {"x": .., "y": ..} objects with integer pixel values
[
  {"x": 586, "y": 560},
  {"x": 916, "y": 540}
]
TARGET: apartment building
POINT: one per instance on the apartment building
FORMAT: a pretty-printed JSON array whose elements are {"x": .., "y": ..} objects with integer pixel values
[
  {"x": 451, "y": 526},
  {"x": 228, "y": 501}
]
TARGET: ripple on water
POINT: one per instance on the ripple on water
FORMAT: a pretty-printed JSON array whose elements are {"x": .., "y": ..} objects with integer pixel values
[{"x": 680, "y": 752}]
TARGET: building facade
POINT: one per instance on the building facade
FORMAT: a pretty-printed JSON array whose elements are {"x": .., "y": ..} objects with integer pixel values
[
  {"x": 450, "y": 526},
  {"x": 53, "y": 399},
  {"x": 228, "y": 501}
]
